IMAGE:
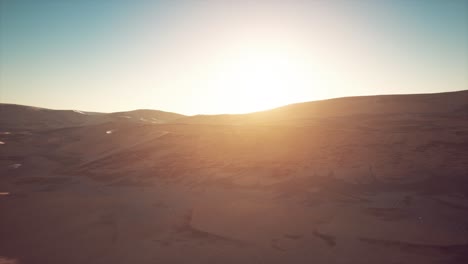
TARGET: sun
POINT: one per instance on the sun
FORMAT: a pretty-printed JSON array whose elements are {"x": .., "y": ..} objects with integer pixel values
[{"x": 255, "y": 80}]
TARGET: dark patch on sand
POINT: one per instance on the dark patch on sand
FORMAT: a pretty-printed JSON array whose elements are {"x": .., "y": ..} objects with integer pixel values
[
  {"x": 328, "y": 239},
  {"x": 458, "y": 252}
]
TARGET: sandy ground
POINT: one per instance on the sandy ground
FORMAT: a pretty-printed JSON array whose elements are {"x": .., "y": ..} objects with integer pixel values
[{"x": 362, "y": 189}]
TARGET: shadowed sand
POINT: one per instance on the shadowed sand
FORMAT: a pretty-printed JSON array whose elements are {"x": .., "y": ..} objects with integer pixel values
[{"x": 379, "y": 179}]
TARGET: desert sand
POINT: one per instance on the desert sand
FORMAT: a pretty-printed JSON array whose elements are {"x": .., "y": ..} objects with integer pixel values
[{"x": 375, "y": 179}]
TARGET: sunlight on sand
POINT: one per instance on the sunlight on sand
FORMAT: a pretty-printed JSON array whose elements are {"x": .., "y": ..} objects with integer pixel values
[
  {"x": 79, "y": 112},
  {"x": 4, "y": 260},
  {"x": 15, "y": 166}
]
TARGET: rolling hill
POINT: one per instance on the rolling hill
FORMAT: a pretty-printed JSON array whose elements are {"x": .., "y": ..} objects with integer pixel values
[{"x": 19, "y": 117}]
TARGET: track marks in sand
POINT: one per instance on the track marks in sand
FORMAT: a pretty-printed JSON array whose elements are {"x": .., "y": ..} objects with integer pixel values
[
  {"x": 328, "y": 239},
  {"x": 187, "y": 230},
  {"x": 286, "y": 242},
  {"x": 459, "y": 251}
]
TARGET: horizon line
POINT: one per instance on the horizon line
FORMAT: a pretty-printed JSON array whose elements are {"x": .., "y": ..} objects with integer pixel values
[{"x": 204, "y": 114}]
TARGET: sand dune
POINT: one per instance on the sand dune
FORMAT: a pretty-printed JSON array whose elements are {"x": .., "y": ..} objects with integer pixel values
[
  {"x": 19, "y": 117},
  {"x": 380, "y": 179},
  {"x": 386, "y": 107}
]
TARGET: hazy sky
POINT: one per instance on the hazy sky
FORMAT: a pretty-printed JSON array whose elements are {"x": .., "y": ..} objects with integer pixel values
[{"x": 202, "y": 56}]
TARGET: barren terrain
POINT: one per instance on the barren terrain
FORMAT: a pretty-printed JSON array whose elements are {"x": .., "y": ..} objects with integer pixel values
[{"x": 377, "y": 179}]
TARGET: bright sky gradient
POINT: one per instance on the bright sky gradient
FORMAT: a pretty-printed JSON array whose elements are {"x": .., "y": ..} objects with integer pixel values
[{"x": 207, "y": 56}]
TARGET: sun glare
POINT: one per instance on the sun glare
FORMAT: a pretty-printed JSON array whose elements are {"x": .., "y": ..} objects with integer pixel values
[{"x": 254, "y": 81}]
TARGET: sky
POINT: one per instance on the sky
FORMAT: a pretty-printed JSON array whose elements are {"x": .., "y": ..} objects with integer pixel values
[{"x": 226, "y": 56}]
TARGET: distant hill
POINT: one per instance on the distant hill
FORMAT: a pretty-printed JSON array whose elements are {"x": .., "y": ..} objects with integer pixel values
[
  {"x": 357, "y": 110},
  {"x": 451, "y": 103},
  {"x": 18, "y": 117}
]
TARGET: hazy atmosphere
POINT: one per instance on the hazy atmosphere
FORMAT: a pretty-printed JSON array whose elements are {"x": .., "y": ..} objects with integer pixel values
[
  {"x": 211, "y": 57},
  {"x": 234, "y": 132}
]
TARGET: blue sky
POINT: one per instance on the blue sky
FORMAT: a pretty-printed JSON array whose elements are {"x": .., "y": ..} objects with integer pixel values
[{"x": 205, "y": 56}]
